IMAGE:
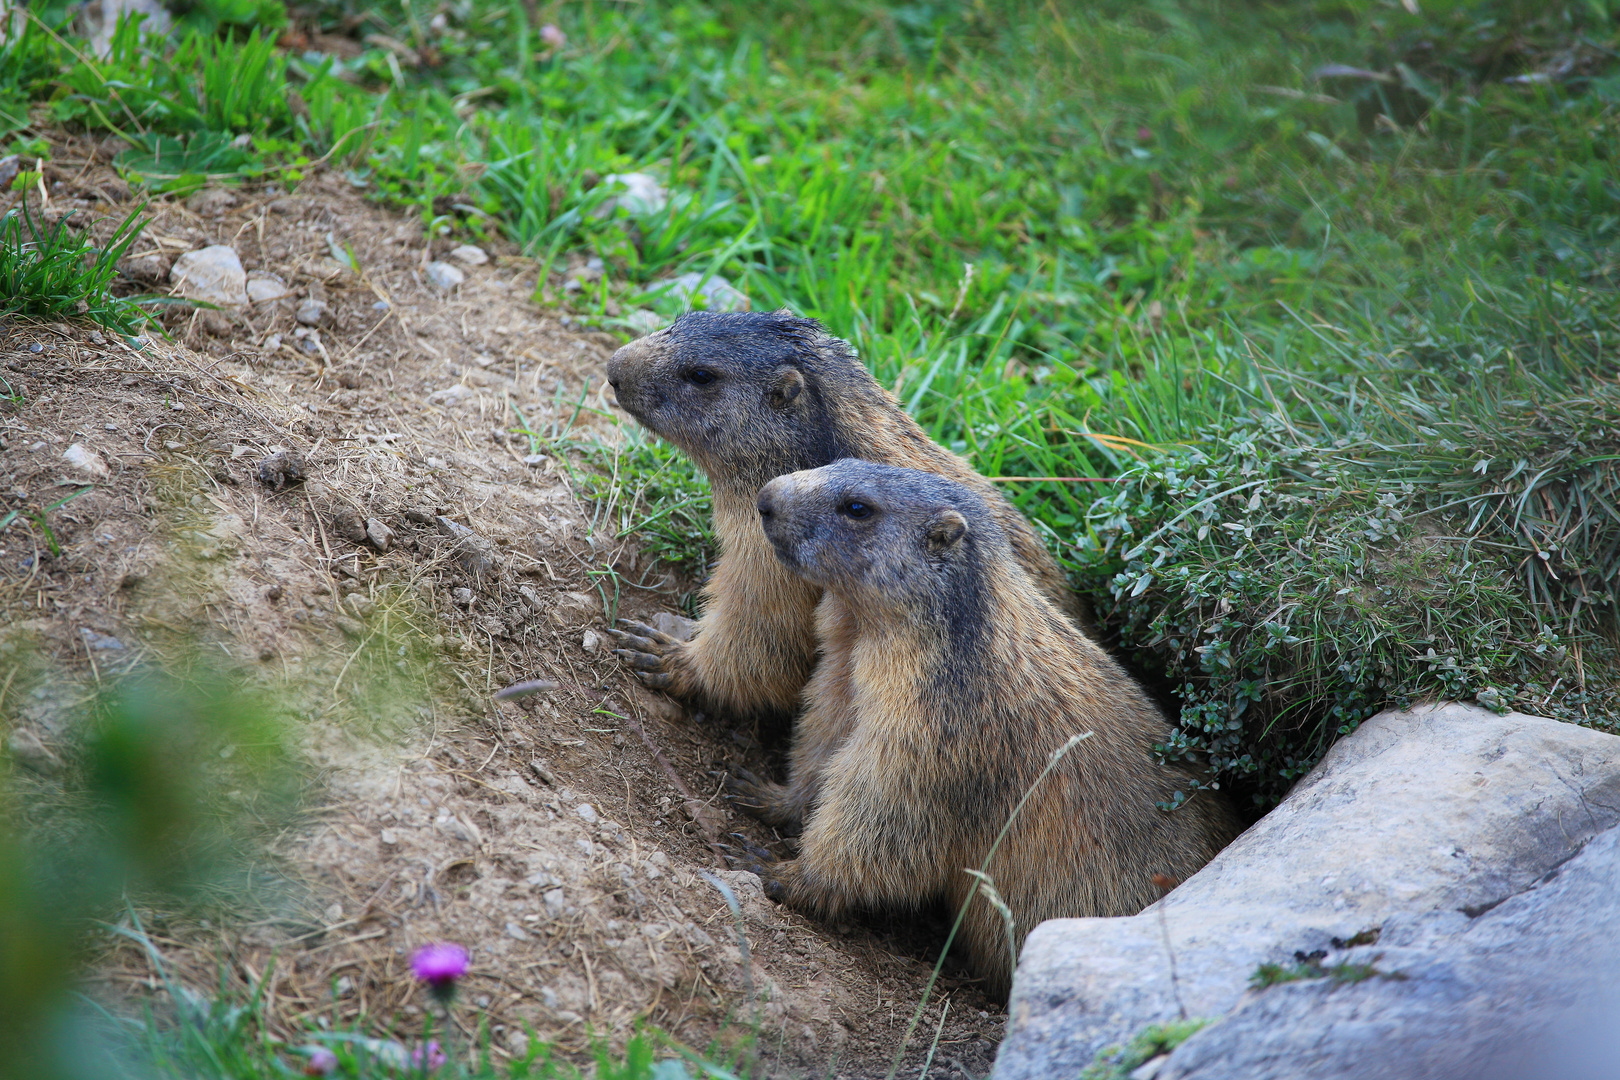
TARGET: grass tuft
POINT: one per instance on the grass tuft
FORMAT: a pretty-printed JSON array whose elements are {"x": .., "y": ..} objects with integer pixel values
[{"x": 60, "y": 272}]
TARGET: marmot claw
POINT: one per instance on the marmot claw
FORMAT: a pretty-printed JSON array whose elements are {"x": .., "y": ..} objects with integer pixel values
[
  {"x": 646, "y": 645},
  {"x": 746, "y": 855},
  {"x": 639, "y": 660},
  {"x": 642, "y": 630}
]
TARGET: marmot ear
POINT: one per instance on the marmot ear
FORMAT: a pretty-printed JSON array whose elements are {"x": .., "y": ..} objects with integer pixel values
[
  {"x": 786, "y": 389},
  {"x": 945, "y": 529}
]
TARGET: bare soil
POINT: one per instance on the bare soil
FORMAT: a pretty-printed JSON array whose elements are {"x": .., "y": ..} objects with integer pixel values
[{"x": 564, "y": 837}]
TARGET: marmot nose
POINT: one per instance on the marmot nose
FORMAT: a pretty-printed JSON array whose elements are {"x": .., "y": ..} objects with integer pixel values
[{"x": 766, "y": 509}]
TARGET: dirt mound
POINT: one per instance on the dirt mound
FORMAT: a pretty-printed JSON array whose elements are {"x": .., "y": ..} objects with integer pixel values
[{"x": 428, "y": 558}]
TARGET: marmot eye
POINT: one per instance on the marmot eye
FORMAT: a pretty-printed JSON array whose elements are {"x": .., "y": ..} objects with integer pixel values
[
  {"x": 856, "y": 509},
  {"x": 701, "y": 376}
]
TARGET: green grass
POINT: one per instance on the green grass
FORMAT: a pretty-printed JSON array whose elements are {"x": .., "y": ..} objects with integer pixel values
[{"x": 59, "y": 272}]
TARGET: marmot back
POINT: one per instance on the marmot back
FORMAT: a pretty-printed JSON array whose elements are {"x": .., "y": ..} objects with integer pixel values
[
  {"x": 963, "y": 681},
  {"x": 751, "y": 396}
]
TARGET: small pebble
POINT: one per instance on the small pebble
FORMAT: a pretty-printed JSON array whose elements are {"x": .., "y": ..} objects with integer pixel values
[
  {"x": 462, "y": 596},
  {"x": 586, "y": 812},
  {"x": 311, "y": 312},
  {"x": 469, "y": 254},
  {"x": 441, "y": 275},
  {"x": 36, "y": 347},
  {"x": 100, "y": 642},
  {"x": 379, "y": 534}
]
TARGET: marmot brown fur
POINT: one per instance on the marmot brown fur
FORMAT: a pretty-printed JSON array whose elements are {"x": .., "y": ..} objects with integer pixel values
[
  {"x": 751, "y": 396},
  {"x": 963, "y": 679}
]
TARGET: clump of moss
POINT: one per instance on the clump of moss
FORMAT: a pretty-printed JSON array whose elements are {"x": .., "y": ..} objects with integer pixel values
[
  {"x": 1291, "y": 581},
  {"x": 1118, "y": 1062}
]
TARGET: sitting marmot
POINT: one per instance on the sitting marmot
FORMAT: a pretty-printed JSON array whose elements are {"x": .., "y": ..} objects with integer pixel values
[
  {"x": 963, "y": 679},
  {"x": 751, "y": 396}
]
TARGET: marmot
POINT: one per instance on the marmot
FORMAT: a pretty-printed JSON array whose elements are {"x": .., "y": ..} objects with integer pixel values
[
  {"x": 963, "y": 680},
  {"x": 751, "y": 396}
]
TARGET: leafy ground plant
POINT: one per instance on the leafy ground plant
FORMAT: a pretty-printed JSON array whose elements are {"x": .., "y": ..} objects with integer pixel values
[
  {"x": 1288, "y": 582},
  {"x": 60, "y": 271}
]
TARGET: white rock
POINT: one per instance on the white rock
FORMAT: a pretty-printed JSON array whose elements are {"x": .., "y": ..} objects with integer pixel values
[
  {"x": 379, "y": 534},
  {"x": 637, "y": 193},
  {"x": 441, "y": 275},
  {"x": 264, "y": 287},
  {"x": 311, "y": 312},
  {"x": 591, "y": 642},
  {"x": 718, "y": 293},
  {"x": 101, "y": 20},
  {"x": 1443, "y": 808},
  {"x": 1525, "y": 989},
  {"x": 643, "y": 322},
  {"x": 586, "y": 812},
  {"x": 211, "y": 274},
  {"x": 86, "y": 461},
  {"x": 469, "y": 254},
  {"x": 452, "y": 395}
]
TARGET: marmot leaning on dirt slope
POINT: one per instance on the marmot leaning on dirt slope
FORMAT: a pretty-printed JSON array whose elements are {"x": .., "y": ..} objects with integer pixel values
[
  {"x": 963, "y": 681},
  {"x": 751, "y": 396}
]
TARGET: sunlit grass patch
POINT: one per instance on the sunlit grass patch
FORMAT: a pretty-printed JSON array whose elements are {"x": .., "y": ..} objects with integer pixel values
[{"x": 59, "y": 271}]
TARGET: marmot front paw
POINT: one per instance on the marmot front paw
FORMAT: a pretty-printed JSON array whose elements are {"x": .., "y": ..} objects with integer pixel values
[
  {"x": 744, "y": 854},
  {"x": 647, "y": 653},
  {"x": 757, "y": 797}
]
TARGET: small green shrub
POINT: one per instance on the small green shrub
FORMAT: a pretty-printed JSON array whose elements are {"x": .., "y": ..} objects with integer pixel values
[{"x": 1290, "y": 582}]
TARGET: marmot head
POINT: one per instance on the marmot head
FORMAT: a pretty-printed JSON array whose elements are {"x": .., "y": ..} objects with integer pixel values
[
  {"x": 746, "y": 394},
  {"x": 883, "y": 536}
]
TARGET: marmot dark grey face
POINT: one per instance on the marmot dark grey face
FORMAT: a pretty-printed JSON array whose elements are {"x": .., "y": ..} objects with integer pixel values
[
  {"x": 742, "y": 393},
  {"x": 893, "y": 536}
]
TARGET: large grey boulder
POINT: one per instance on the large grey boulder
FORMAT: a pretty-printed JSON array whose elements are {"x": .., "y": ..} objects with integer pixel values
[
  {"x": 1438, "y": 809},
  {"x": 1526, "y": 989}
]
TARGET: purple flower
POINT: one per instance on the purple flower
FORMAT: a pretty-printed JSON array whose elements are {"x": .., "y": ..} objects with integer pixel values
[
  {"x": 440, "y": 964},
  {"x": 553, "y": 37},
  {"x": 428, "y": 1058},
  {"x": 321, "y": 1061}
]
